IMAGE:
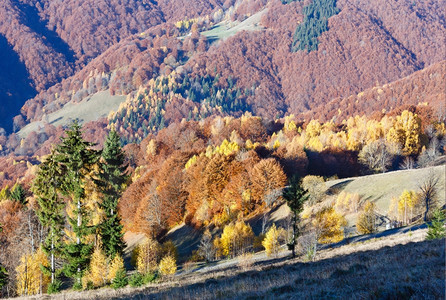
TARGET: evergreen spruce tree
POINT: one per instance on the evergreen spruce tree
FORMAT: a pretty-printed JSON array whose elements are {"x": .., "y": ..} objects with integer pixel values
[
  {"x": 295, "y": 196},
  {"x": 78, "y": 159},
  {"x": 112, "y": 179},
  {"x": 120, "y": 280},
  {"x": 436, "y": 228},
  {"x": 50, "y": 212},
  {"x": 18, "y": 194}
]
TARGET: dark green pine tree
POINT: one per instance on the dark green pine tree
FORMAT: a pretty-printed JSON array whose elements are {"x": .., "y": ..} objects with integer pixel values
[
  {"x": 18, "y": 194},
  {"x": 113, "y": 177},
  {"x": 295, "y": 196},
  {"x": 78, "y": 159},
  {"x": 50, "y": 212},
  {"x": 436, "y": 228}
]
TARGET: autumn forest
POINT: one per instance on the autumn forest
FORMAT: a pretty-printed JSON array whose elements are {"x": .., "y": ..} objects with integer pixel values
[{"x": 241, "y": 124}]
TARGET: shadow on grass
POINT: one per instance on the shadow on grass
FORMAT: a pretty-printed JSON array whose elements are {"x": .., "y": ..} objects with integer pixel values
[
  {"x": 338, "y": 187},
  {"x": 413, "y": 270},
  {"x": 381, "y": 234}
]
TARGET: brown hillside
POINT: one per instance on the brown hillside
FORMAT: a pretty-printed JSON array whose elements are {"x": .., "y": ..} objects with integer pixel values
[
  {"x": 365, "y": 47},
  {"x": 423, "y": 87}
]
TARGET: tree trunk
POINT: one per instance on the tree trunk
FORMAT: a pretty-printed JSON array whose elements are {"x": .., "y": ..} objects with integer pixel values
[
  {"x": 30, "y": 227},
  {"x": 79, "y": 222},
  {"x": 52, "y": 257},
  {"x": 405, "y": 212},
  {"x": 293, "y": 249}
]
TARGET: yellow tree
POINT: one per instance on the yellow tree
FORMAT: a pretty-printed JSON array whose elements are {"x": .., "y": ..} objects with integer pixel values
[
  {"x": 30, "y": 278},
  {"x": 366, "y": 221},
  {"x": 116, "y": 265},
  {"x": 147, "y": 256},
  {"x": 168, "y": 265},
  {"x": 347, "y": 202},
  {"x": 406, "y": 131},
  {"x": 408, "y": 203},
  {"x": 271, "y": 243},
  {"x": 329, "y": 226},
  {"x": 235, "y": 239},
  {"x": 356, "y": 132},
  {"x": 97, "y": 273},
  {"x": 393, "y": 209},
  {"x": 313, "y": 129}
]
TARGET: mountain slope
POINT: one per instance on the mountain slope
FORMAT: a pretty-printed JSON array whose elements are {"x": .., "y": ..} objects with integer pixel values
[
  {"x": 364, "y": 47},
  {"x": 53, "y": 39}
]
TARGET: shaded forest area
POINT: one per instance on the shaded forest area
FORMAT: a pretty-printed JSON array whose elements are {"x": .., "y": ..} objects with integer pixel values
[{"x": 15, "y": 85}]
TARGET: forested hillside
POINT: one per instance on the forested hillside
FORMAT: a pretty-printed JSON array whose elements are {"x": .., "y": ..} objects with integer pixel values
[
  {"x": 359, "y": 47},
  {"x": 211, "y": 174},
  {"x": 126, "y": 116},
  {"x": 55, "y": 39}
]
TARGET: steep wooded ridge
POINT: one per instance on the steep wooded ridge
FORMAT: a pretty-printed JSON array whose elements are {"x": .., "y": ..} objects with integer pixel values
[
  {"x": 54, "y": 39},
  {"x": 205, "y": 130},
  {"x": 175, "y": 70}
]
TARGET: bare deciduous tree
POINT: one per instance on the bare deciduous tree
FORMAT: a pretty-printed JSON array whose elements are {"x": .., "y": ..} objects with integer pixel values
[
  {"x": 408, "y": 163},
  {"x": 308, "y": 245},
  {"x": 430, "y": 154},
  {"x": 429, "y": 193},
  {"x": 206, "y": 248},
  {"x": 378, "y": 155}
]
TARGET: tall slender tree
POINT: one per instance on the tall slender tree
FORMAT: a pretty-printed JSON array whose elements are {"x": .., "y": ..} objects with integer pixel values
[
  {"x": 113, "y": 177},
  {"x": 50, "y": 212},
  {"x": 78, "y": 159},
  {"x": 295, "y": 196}
]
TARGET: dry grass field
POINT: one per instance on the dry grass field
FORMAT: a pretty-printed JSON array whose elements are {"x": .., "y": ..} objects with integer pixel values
[{"x": 90, "y": 109}]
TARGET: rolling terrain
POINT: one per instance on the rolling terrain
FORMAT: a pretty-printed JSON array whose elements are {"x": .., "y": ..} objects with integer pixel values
[
  {"x": 363, "y": 51},
  {"x": 187, "y": 146}
]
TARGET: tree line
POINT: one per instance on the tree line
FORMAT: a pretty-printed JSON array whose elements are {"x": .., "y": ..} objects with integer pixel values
[{"x": 77, "y": 190}]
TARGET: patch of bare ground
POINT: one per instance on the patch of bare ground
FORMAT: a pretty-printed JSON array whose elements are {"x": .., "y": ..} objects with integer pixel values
[{"x": 401, "y": 266}]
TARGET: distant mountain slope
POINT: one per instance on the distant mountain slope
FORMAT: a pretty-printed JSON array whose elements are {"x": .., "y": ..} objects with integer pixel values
[
  {"x": 43, "y": 62},
  {"x": 426, "y": 86},
  {"x": 15, "y": 84},
  {"x": 364, "y": 46},
  {"x": 53, "y": 38}
]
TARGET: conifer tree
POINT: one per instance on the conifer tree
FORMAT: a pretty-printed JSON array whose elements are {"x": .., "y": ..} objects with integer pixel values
[
  {"x": 77, "y": 158},
  {"x": 18, "y": 194},
  {"x": 120, "y": 279},
  {"x": 29, "y": 278},
  {"x": 295, "y": 196},
  {"x": 112, "y": 179},
  {"x": 50, "y": 212},
  {"x": 436, "y": 228}
]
